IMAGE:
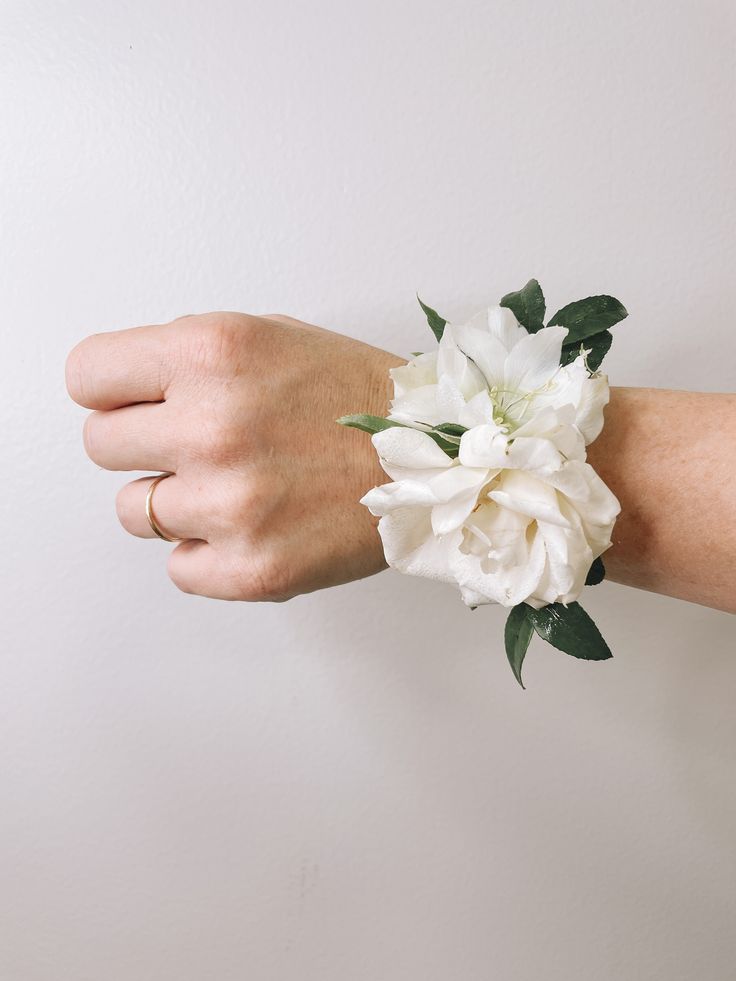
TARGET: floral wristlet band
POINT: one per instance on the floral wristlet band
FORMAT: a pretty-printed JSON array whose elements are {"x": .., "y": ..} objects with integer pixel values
[{"x": 485, "y": 445}]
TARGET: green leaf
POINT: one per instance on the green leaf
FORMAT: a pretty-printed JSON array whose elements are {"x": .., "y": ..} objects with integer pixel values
[
  {"x": 451, "y": 449},
  {"x": 434, "y": 320},
  {"x": 447, "y": 436},
  {"x": 375, "y": 424},
  {"x": 570, "y": 629},
  {"x": 517, "y": 634},
  {"x": 598, "y": 346},
  {"x": 596, "y": 573},
  {"x": 590, "y": 316},
  {"x": 369, "y": 424},
  {"x": 451, "y": 428},
  {"x": 527, "y": 305}
]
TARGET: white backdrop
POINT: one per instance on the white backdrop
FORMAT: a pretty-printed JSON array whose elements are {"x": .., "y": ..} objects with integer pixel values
[{"x": 352, "y": 785}]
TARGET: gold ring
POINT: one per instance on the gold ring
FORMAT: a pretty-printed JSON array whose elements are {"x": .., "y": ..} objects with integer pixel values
[{"x": 155, "y": 526}]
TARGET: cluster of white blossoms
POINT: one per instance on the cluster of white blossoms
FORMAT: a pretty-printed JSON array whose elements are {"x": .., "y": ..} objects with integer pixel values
[{"x": 518, "y": 515}]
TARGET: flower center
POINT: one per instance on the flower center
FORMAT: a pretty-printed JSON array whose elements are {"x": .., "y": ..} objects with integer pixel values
[{"x": 510, "y": 406}]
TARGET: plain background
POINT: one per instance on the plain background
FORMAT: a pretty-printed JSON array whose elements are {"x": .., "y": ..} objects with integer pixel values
[{"x": 352, "y": 785}]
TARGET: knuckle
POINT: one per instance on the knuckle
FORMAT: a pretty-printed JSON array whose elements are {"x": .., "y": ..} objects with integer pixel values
[
  {"x": 217, "y": 440},
  {"x": 239, "y": 510},
  {"x": 250, "y": 505},
  {"x": 264, "y": 580},
  {"x": 217, "y": 340},
  {"x": 255, "y": 505}
]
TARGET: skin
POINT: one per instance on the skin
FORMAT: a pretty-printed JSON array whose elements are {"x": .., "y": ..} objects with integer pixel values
[
  {"x": 670, "y": 458},
  {"x": 242, "y": 410},
  {"x": 265, "y": 488}
]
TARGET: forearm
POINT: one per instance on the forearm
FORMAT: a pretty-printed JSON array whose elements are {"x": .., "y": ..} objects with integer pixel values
[
  {"x": 670, "y": 458},
  {"x": 265, "y": 490}
]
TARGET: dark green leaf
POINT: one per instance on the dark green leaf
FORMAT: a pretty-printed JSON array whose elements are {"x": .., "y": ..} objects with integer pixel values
[
  {"x": 451, "y": 428},
  {"x": 451, "y": 449},
  {"x": 596, "y": 573},
  {"x": 369, "y": 424},
  {"x": 598, "y": 346},
  {"x": 518, "y": 633},
  {"x": 570, "y": 629},
  {"x": 434, "y": 320},
  {"x": 375, "y": 424},
  {"x": 447, "y": 436},
  {"x": 590, "y": 316},
  {"x": 527, "y": 305}
]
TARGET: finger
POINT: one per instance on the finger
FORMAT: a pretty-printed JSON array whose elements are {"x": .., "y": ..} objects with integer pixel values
[
  {"x": 137, "y": 437},
  {"x": 177, "y": 507},
  {"x": 196, "y": 567},
  {"x": 220, "y": 572},
  {"x": 201, "y": 568},
  {"x": 122, "y": 367}
]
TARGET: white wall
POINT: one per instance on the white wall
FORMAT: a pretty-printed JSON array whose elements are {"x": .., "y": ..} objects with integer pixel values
[{"x": 351, "y": 786}]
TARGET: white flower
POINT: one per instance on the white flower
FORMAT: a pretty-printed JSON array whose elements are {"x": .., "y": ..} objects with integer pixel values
[
  {"x": 518, "y": 516},
  {"x": 492, "y": 370},
  {"x": 508, "y": 521}
]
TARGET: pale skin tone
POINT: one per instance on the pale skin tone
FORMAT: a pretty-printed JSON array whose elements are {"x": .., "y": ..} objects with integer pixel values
[{"x": 242, "y": 409}]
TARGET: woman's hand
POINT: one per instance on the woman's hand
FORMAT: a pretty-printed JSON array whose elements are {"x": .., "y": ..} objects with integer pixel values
[{"x": 241, "y": 409}]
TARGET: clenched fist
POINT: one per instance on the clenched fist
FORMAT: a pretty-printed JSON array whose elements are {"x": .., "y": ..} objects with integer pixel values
[{"x": 241, "y": 410}]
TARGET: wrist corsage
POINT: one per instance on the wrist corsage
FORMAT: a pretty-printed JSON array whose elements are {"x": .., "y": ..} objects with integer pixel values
[{"x": 485, "y": 444}]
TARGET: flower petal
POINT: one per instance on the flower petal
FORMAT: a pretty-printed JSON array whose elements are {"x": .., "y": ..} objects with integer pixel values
[
  {"x": 498, "y": 582},
  {"x": 591, "y": 497},
  {"x": 484, "y": 446},
  {"x": 450, "y": 400},
  {"x": 558, "y": 427},
  {"x": 545, "y": 420},
  {"x": 595, "y": 396},
  {"x": 527, "y": 576},
  {"x": 452, "y": 363},
  {"x": 410, "y": 546},
  {"x": 573, "y": 386},
  {"x": 565, "y": 388},
  {"x": 408, "y": 449},
  {"x": 400, "y": 494},
  {"x": 534, "y": 454},
  {"x": 477, "y": 411},
  {"x": 484, "y": 350},
  {"x": 534, "y": 360},
  {"x": 520, "y": 491},
  {"x": 417, "y": 407},
  {"x": 416, "y": 373},
  {"x": 588, "y": 503},
  {"x": 568, "y": 558},
  {"x": 457, "y": 480},
  {"x": 502, "y": 531},
  {"x": 471, "y": 597},
  {"x": 504, "y": 326},
  {"x": 457, "y": 489}
]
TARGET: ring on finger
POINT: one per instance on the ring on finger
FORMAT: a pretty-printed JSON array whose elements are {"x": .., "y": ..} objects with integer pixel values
[{"x": 155, "y": 526}]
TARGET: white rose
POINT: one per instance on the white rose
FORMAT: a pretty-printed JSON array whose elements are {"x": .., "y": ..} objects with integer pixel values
[
  {"x": 492, "y": 370},
  {"x": 519, "y": 516}
]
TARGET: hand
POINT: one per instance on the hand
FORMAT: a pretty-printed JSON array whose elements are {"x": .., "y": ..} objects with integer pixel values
[{"x": 241, "y": 409}]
